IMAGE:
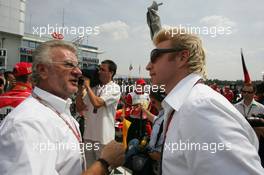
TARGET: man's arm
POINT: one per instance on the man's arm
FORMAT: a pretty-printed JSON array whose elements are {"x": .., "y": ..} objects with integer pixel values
[
  {"x": 113, "y": 154},
  {"x": 96, "y": 101},
  {"x": 96, "y": 169},
  {"x": 149, "y": 115},
  {"x": 80, "y": 105}
]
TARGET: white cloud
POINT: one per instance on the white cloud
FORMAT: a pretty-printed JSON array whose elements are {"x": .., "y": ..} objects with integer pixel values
[
  {"x": 117, "y": 30},
  {"x": 217, "y": 21}
]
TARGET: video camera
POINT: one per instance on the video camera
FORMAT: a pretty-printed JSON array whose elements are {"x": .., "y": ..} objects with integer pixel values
[{"x": 90, "y": 72}]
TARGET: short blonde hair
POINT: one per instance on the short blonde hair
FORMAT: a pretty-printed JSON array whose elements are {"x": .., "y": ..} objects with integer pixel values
[
  {"x": 182, "y": 40},
  {"x": 42, "y": 55}
]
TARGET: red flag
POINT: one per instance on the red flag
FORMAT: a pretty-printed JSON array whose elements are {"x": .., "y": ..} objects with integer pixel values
[{"x": 246, "y": 74}]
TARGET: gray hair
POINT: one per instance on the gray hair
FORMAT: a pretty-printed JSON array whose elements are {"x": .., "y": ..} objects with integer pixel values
[{"x": 42, "y": 55}]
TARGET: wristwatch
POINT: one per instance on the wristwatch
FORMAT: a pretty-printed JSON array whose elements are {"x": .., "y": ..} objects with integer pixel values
[{"x": 105, "y": 164}]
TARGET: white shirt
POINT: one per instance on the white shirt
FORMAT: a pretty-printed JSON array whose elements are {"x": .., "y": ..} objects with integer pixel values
[
  {"x": 254, "y": 108},
  {"x": 34, "y": 140},
  {"x": 203, "y": 121},
  {"x": 100, "y": 126}
]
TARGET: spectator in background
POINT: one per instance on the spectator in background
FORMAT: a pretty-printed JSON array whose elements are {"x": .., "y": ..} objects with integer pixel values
[
  {"x": 157, "y": 136},
  {"x": 10, "y": 80},
  {"x": 215, "y": 87},
  {"x": 137, "y": 118},
  {"x": 248, "y": 107},
  {"x": 99, "y": 105},
  {"x": 253, "y": 111},
  {"x": 2, "y": 84},
  {"x": 22, "y": 89},
  {"x": 260, "y": 93},
  {"x": 229, "y": 95}
]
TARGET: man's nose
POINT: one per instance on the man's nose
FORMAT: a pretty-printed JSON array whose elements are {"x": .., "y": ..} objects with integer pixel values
[
  {"x": 148, "y": 67},
  {"x": 77, "y": 71}
]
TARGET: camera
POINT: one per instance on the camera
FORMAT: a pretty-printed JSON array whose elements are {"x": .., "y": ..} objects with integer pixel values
[{"x": 90, "y": 72}]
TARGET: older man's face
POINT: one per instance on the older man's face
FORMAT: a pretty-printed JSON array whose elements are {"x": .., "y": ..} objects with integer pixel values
[{"x": 63, "y": 73}]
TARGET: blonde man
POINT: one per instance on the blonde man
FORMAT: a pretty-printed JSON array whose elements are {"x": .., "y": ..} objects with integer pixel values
[{"x": 204, "y": 133}]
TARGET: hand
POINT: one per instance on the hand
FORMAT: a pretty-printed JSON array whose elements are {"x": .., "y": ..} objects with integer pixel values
[
  {"x": 87, "y": 82},
  {"x": 143, "y": 108},
  {"x": 81, "y": 91},
  {"x": 114, "y": 154}
]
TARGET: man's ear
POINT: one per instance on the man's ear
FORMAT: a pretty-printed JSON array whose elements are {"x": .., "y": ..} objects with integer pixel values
[
  {"x": 185, "y": 54},
  {"x": 43, "y": 71},
  {"x": 112, "y": 73}
]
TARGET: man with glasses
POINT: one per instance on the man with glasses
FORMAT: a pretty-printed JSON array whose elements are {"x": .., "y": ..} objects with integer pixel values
[
  {"x": 204, "y": 133},
  {"x": 248, "y": 107},
  {"x": 253, "y": 111},
  {"x": 40, "y": 136}
]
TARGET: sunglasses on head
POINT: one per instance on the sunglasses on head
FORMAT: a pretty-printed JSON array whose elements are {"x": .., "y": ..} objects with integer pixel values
[{"x": 156, "y": 53}]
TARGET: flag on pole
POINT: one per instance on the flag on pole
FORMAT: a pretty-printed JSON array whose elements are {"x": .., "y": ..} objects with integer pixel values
[
  {"x": 245, "y": 71},
  {"x": 130, "y": 67}
]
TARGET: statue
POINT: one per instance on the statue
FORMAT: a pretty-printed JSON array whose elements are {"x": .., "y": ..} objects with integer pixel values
[{"x": 153, "y": 18}]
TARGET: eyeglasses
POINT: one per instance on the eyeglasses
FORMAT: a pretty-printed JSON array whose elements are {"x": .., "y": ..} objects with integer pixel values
[
  {"x": 69, "y": 64},
  {"x": 247, "y": 92},
  {"x": 156, "y": 53}
]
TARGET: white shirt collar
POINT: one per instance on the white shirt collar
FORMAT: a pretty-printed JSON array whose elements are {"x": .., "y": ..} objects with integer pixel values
[
  {"x": 253, "y": 102},
  {"x": 61, "y": 105},
  {"x": 178, "y": 94}
]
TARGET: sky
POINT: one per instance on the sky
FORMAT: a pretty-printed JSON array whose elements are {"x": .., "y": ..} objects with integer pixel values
[{"x": 119, "y": 29}]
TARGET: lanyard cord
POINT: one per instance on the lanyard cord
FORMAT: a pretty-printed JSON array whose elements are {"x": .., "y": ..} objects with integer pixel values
[
  {"x": 246, "y": 115},
  {"x": 165, "y": 134},
  {"x": 45, "y": 103}
]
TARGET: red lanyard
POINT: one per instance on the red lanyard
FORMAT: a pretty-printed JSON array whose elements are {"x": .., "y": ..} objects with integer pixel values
[
  {"x": 45, "y": 103},
  {"x": 165, "y": 134},
  {"x": 168, "y": 124},
  {"x": 171, "y": 115}
]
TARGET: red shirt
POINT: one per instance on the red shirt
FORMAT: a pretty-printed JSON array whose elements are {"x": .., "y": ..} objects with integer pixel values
[{"x": 16, "y": 95}]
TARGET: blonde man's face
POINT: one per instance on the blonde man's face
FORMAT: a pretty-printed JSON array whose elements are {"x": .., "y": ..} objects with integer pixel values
[{"x": 163, "y": 70}]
